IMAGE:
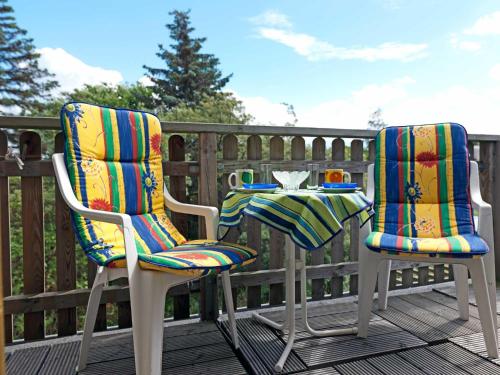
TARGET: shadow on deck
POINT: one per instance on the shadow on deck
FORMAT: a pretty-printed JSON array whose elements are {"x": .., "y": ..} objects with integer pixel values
[{"x": 418, "y": 334}]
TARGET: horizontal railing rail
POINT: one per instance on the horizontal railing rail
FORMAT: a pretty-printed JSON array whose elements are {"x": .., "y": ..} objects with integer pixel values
[
  {"x": 52, "y": 123},
  {"x": 46, "y": 276}
]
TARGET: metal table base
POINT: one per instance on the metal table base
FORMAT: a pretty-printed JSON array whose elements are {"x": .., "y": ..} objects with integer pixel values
[{"x": 292, "y": 265}]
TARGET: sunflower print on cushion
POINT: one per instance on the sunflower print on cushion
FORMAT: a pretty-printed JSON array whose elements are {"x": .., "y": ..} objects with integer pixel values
[
  {"x": 114, "y": 162},
  {"x": 422, "y": 195}
]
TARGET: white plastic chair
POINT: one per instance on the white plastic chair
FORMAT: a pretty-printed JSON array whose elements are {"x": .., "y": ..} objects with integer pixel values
[
  {"x": 482, "y": 270},
  {"x": 147, "y": 288}
]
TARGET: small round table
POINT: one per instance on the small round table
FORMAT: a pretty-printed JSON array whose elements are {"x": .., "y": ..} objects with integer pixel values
[{"x": 309, "y": 219}]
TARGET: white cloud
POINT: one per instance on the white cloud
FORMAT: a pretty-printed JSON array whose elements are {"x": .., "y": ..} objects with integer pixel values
[
  {"x": 476, "y": 109},
  {"x": 277, "y": 28},
  {"x": 466, "y": 45},
  {"x": 392, "y": 4},
  {"x": 72, "y": 72},
  {"x": 315, "y": 50},
  {"x": 495, "y": 72},
  {"x": 271, "y": 18},
  {"x": 486, "y": 25},
  {"x": 265, "y": 111},
  {"x": 145, "y": 81},
  {"x": 354, "y": 110}
]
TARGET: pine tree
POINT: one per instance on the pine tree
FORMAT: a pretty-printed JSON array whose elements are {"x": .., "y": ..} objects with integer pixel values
[
  {"x": 189, "y": 74},
  {"x": 23, "y": 84}
]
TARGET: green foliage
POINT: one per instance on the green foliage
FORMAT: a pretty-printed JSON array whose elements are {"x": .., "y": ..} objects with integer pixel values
[
  {"x": 134, "y": 96},
  {"x": 23, "y": 84},
  {"x": 189, "y": 75},
  {"x": 221, "y": 108}
]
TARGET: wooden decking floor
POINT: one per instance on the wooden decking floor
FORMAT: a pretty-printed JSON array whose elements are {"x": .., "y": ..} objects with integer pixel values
[
  {"x": 417, "y": 334},
  {"x": 196, "y": 348}
]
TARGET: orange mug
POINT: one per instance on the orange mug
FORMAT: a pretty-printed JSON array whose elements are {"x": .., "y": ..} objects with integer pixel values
[{"x": 337, "y": 176}]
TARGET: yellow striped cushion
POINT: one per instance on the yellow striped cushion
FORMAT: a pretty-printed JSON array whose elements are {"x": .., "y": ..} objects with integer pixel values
[
  {"x": 461, "y": 245},
  {"x": 422, "y": 196},
  {"x": 114, "y": 163}
]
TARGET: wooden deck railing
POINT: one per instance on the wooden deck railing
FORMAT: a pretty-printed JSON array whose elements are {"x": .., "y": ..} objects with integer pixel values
[{"x": 218, "y": 148}]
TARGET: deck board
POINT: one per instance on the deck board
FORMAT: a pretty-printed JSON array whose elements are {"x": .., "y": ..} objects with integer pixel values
[
  {"x": 464, "y": 359},
  {"x": 429, "y": 320},
  {"x": 27, "y": 361},
  {"x": 431, "y": 363},
  {"x": 475, "y": 344},
  {"x": 264, "y": 345},
  {"x": 358, "y": 367},
  {"x": 188, "y": 349},
  {"x": 417, "y": 334},
  {"x": 450, "y": 291},
  {"x": 61, "y": 359},
  {"x": 393, "y": 364},
  {"x": 321, "y": 371}
]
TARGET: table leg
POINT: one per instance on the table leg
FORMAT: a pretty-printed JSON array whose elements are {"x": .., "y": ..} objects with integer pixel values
[
  {"x": 290, "y": 303},
  {"x": 289, "y": 267},
  {"x": 289, "y": 321},
  {"x": 303, "y": 301}
]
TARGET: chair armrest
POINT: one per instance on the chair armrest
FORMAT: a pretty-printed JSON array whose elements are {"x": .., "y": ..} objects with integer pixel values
[
  {"x": 475, "y": 192},
  {"x": 109, "y": 217},
  {"x": 71, "y": 200},
  {"x": 370, "y": 183},
  {"x": 485, "y": 212},
  {"x": 210, "y": 214},
  {"x": 366, "y": 229}
]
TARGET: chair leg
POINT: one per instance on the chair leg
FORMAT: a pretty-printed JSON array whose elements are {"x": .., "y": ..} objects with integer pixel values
[
  {"x": 478, "y": 275},
  {"x": 384, "y": 272},
  {"x": 147, "y": 299},
  {"x": 462, "y": 290},
  {"x": 489, "y": 266},
  {"x": 92, "y": 307},
  {"x": 228, "y": 296},
  {"x": 368, "y": 266}
]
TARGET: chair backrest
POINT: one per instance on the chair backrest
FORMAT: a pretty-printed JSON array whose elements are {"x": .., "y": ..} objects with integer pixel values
[
  {"x": 114, "y": 162},
  {"x": 422, "y": 181}
]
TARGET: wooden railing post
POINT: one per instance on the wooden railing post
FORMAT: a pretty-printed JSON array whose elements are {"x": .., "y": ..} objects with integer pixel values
[
  {"x": 230, "y": 152},
  {"x": 5, "y": 239},
  {"x": 177, "y": 152},
  {"x": 318, "y": 256},
  {"x": 356, "y": 155},
  {"x": 337, "y": 246},
  {"x": 496, "y": 208},
  {"x": 207, "y": 195},
  {"x": 298, "y": 152},
  {"x": 65, "y": 255},
  {"x": 489, "y": 156},
  {"x": 277, "y": 238},
  {"x": 33, "y": 243},
  {"x": 2, "y": 344},
  {"x": 254, "y": 237}
]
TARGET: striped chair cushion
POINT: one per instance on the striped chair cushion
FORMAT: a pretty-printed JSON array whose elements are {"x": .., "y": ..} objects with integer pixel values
[
  {"x": 114, "y": 162},
  {"x": 199, "y": 258},
  {"x": 422, "y": 196},
  {"x": 465, "y": 245}
]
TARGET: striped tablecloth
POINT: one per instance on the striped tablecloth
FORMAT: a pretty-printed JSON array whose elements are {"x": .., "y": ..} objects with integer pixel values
[{"x": 310, "y": 218}]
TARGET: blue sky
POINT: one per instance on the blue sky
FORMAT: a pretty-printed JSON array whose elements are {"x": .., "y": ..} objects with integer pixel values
[{"x": 335, "y": 61}]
